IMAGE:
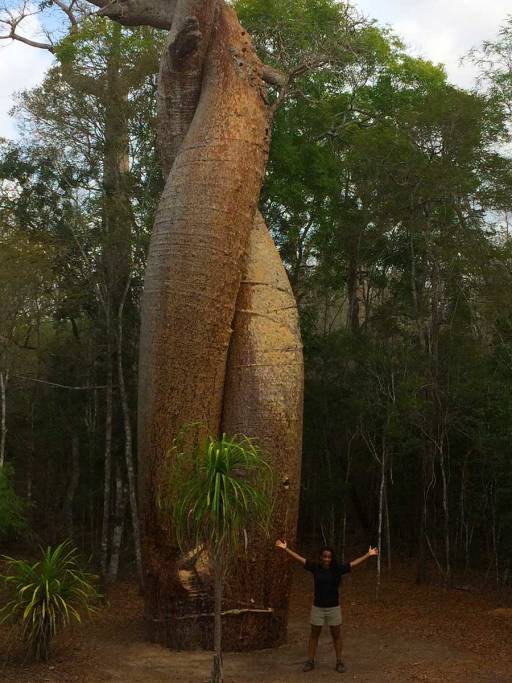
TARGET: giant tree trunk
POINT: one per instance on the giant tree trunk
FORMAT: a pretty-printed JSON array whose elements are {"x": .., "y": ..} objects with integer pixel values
[
  {"x": 214, "y": 355},
  {"x": 263, "y": 398},
  {"x": 193, "y": 274}
]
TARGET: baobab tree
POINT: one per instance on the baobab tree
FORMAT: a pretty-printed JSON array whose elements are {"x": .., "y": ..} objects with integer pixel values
[{"x": 220, "y": 347}]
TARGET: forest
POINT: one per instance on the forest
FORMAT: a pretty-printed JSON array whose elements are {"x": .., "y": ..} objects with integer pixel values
[{"x": 388, "y": 193}]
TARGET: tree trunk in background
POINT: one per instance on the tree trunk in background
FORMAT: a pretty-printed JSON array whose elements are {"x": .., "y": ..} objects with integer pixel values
[
  {"x": 30, "y": 458},
  {"x": 421, "y": 572},
  {"x": 353, "y": 292},
  {"x": 4, "y": 378},
  {"x": 446, "y": 515},
  {"x": 117, "y": 212},
  {"x": 117, "y": 527},
  {"x": 388, "y": 526},
  {"x": 382, "y": 493},
  {"x": 107, "y": 462},
  {"x": 74, "y": 476},
  {"x": 128, "y": 444},
  {"x": 117, "y": 263}
]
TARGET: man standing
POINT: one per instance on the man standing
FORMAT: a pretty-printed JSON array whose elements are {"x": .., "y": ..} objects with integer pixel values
[{"x": 326, "y": 604}]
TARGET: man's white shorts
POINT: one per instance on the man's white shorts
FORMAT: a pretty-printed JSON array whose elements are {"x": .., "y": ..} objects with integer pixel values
[{"x": 329, "y": 616}]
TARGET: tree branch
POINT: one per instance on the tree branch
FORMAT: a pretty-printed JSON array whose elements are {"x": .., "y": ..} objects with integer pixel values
[
  {"x": 68, "y": 11},
  {"x": 155, "y": 13},
  {"x": 287, "y": 81},
  {"x": 13, "y": 21},
  {"x": 273, "y": 76}
]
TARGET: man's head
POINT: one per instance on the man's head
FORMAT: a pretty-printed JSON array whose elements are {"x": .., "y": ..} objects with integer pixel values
[{"x": 326, "y": 557}]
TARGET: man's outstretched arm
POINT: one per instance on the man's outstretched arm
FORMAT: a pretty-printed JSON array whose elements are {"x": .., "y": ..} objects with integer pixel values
[
  {"x": 284, "y": 546},
  {"x": 371, "y": 552}
]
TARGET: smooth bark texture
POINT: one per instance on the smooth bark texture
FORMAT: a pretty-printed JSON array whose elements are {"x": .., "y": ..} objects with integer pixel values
[
  {"x": 264, "y": 398},
  {"x": 193, "y": 274},
  {"x": 213, "y": 130}
]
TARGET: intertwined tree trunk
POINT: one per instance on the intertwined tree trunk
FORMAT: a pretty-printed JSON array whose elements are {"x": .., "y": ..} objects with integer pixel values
[{"x": 220, "y": 346}]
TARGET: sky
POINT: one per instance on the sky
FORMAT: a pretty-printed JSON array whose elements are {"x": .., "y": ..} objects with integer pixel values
[
  {"x": 21, "y": 67},
  {"x": 439, "y": 30}
]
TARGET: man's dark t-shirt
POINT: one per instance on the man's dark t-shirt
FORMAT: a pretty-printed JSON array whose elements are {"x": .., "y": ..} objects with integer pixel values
[{"x": 327, "y": 581}]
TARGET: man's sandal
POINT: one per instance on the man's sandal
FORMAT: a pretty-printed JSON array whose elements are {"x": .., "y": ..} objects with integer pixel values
[
  {"x": 340, "y": 667},
  {"x": 309, "y": 665}
]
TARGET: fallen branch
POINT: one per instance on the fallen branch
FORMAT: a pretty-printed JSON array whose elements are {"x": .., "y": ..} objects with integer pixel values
[{"x": 227, "y": 613}]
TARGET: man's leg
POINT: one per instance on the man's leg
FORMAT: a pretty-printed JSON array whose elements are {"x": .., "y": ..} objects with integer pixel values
[
  {"x": 337, "y": 641},
  {"x": 313, "y": 642}
]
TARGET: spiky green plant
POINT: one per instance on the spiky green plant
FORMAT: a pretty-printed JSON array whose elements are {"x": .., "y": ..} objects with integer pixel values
[
  {"x": 211, "y": 495},
  {"x": 46, "y": 595}
]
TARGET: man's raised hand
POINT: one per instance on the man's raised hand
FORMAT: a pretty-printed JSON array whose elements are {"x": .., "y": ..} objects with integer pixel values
[
  {"x": 372, "y": 551},
  {"x": 281, "y": 544}
]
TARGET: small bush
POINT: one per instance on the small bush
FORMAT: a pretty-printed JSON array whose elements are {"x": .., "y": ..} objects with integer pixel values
[{"x": 46, "y": 595}]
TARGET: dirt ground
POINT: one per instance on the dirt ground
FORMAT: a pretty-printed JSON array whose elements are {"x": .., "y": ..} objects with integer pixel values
[{"x": 410, "y": 633}]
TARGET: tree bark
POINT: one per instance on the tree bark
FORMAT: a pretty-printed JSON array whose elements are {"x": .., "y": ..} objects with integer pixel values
[
  {"x": 117, "y": 212},
  {"x": 107, "y": 472},
  {"x": 195, "y": 264},
  {"x": 4, "y": 378},
  {"x": 382, "y": 493},
  {"x": 263, "y": 399},
  {"x": 118, "y": 527},
  {"x": 128, "y": 440},
  {"x": 74, "y": 476},
  {"x": 214, "y": 124},
  {"x": 446, "y": 514}
]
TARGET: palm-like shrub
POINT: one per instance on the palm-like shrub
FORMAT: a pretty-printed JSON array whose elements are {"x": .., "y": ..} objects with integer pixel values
[
  {"x": 210, "y": 496},
  {"x": 46, "y": 595}
]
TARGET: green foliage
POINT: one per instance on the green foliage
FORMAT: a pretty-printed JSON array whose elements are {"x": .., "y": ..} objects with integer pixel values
[
  {"x": 287, "y": 30},
  {"x": 46, "y": 595},
  {"x": 13, "y": 509},
  {"x": 494, "y": 59},
  {"x": 213, "y": 494},
  {"x": 384, "y": 191}
]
